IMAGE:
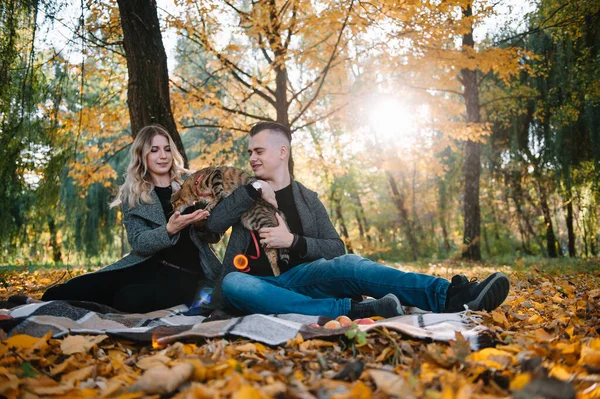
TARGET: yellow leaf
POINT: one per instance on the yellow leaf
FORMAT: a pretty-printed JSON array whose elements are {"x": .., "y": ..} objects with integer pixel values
[
  {"x": 560, "y": 373},
  {"x": 500, "y": 318},
  {"x": 247, "y": 392},
  {"x": 589, "y": 355},
  {"x": 536, "y": 319},
  {"x": 494, "y": 358},
  {"x": 21, "y": 341},
  {"x": 520, "y": 381},
  {"x": 314, "y": 344}
]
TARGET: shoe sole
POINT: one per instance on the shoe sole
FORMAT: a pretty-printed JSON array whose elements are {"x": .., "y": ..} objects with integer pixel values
[
  {"x": 493, "y": 295},
  {"x": 399, "y": 310}
]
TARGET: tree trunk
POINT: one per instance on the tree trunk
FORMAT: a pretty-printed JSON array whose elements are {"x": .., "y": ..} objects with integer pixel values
[
  {"x": 442, "y": 193},
  {"x": 403, "y": 214},
  {"x": 517, "y": 198},
  {"x": 361, "y": 220},
  {"x": 570, "y": 230},
  {"x": 56, "y": 252},
  {"x": 148, "y": 87},
  {"x": 550, "y": 237},
  {"x": 281, "y": 78},
  {"x": 343, "y": 228},
  {"x": 472, "y": 167}
]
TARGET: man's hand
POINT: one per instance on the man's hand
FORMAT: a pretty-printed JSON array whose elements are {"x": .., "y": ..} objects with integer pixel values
[
  {"x": 178, "y": 222},
  {"x": 267, "y": 193},
  {"x": 276, "y": 237}
]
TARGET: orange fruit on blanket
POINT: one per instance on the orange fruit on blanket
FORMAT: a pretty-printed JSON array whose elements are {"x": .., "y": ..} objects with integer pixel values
[
  {"x": 344, "y": 321},
  {"x": 364, "y": 321},
  {"x": 332, "y": 325}
]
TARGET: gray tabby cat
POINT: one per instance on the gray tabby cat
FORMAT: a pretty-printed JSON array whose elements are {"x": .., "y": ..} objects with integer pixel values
[{"x": 208, "y": 186}]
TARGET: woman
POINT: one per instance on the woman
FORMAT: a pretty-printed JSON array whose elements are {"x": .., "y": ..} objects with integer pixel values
[{"x": 168, "y": 264}]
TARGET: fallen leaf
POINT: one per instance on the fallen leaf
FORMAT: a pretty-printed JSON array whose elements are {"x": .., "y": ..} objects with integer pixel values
[
  {"x": 80, "y": 343},
  {"x": 162, "y": 379},
  {"x": 391, "y": 383},
  {"x": 149, "y": 362},
  {"x": 21, "y": 341},
  {"x": 542, "y": 335},
  {"x": 247, "y": 392},
  {"x": 78, "y": 375},
  {"x": 246, "y": 348}
]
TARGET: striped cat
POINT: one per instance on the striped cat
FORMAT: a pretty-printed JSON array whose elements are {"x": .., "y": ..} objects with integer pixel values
[{"x": 208, "y": 186}]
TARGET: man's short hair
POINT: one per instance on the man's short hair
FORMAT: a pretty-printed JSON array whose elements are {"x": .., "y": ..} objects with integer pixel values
[{"x": 273, "y": 126}]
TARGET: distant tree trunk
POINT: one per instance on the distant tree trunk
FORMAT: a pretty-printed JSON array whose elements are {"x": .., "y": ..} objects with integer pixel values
[
  {"x": 343, "y": 229},
  {"x": 472, "y": 167},
  {"x": 148, "y": 88},
  {"x": 570, "y": 230},
  {"x": 517, "y": 198},
  {"x": 361, "y": 220},
  {"x": 550, "y": 237},
  {"x": 56, "y": 252},
  {"x": 403, "y": 213},
  {"x": 442, "y": 193}
]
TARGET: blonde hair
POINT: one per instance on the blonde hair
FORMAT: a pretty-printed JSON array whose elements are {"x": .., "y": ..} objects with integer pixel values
[{"x": 138, "y": 183}]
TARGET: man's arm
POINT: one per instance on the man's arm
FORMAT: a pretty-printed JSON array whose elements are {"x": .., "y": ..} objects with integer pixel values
[
  {"x": 230, "y": 209},
  {"x": 328, "y": 244}
]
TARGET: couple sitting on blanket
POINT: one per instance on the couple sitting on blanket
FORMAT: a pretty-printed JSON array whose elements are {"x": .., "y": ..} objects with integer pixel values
[{"x": 169, "y": 265}]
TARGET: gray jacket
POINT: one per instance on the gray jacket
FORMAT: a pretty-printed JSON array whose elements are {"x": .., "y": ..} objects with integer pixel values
[
  {"x": 322, "y": 240},
  {"x": 146, "y": 227}
]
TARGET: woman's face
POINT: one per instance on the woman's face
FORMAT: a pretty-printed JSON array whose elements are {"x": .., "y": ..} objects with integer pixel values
[{"x": 160, "y": 158}]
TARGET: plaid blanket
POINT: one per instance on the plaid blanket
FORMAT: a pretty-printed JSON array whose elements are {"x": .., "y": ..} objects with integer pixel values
[{"x": 172, "y": 324}]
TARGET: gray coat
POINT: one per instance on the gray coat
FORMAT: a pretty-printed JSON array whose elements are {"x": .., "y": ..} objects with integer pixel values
[
  {"x": 146, "y": 227},
  {"x": 322, "y": 240}
]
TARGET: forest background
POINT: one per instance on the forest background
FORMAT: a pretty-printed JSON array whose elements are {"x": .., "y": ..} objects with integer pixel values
[{"x": 431, "y": 129}]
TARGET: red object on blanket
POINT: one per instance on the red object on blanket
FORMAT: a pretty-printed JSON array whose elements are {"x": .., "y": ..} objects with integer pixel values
[{"x": 5, "y": 317}]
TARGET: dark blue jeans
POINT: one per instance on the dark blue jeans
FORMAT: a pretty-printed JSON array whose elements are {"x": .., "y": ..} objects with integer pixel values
[{"x": 324, "y": 288}]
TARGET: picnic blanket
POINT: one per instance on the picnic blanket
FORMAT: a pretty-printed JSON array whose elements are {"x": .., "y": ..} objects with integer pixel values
[{"x": 168, "y": 325}]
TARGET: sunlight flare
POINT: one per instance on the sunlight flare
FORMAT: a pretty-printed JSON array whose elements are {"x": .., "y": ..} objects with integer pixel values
[{"x": 392, "y": 121}]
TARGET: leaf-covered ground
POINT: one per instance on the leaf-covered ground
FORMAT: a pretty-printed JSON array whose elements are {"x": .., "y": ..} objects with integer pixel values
[{"x": 548, "y": 334}]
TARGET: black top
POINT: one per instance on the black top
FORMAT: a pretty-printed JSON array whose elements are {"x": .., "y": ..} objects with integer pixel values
[
  {"x": 184, "y": 253},
  {"x": 261, "y": 266}
]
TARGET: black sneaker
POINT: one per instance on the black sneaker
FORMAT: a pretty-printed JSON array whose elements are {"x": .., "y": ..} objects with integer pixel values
[
  {"x": 487, "y": 295},
  {"x": 388, "y": 306}
]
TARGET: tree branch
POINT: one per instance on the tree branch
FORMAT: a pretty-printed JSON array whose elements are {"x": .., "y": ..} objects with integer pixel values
[{"x": 326, "y": 69}]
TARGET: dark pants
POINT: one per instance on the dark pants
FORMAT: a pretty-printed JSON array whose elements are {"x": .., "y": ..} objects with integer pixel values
[{"x": 137, "y": 289}]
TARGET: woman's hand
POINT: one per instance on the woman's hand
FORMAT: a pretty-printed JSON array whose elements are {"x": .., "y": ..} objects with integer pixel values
[
  {"x": 267, "y": 193},
  {"x": 178, "y": 222}
]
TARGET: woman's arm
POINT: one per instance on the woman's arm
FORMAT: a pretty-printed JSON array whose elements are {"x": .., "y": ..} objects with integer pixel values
[{"x": 145, "y": 239}]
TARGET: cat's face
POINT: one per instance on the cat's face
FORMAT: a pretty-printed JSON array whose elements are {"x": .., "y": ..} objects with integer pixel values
[
  {"x": 266, "y": 154},
  {"x": 195, "y": 190}
]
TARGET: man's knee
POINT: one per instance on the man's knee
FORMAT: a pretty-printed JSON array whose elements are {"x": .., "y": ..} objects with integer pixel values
[
  {"x": 236, "y": 284},
  {"x": 348, "y": 259}
]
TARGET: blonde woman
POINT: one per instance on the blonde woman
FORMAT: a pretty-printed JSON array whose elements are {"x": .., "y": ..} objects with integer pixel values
[{"x": 168, "y": 263}]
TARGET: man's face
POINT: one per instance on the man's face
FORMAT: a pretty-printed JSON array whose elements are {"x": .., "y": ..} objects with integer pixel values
[{"x": 265, "y": 153}]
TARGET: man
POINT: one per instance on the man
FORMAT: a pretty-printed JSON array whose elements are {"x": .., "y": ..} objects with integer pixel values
[{"x": 319, "y": 278}]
